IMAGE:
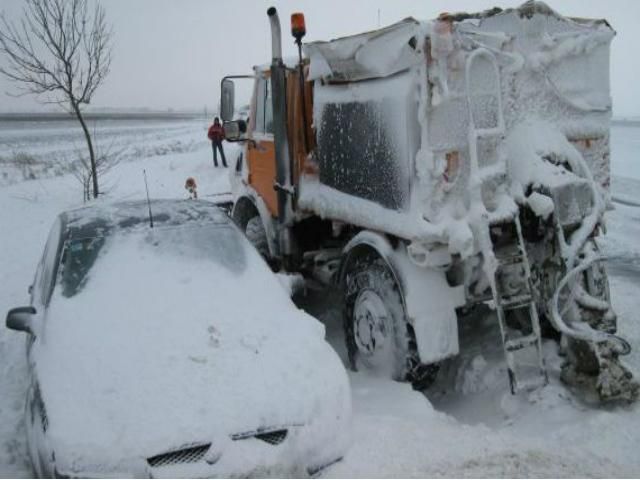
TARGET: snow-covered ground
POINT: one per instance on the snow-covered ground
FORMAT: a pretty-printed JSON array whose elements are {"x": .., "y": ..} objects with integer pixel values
[
  {"x": 467, "y": 425},
  {"x": 45, "y": 148}
]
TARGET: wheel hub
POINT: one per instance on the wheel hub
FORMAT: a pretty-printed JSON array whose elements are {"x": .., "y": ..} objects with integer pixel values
[{"x": 370, "y": 323}]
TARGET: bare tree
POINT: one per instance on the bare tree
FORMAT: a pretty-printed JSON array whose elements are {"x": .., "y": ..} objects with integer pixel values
[
  {"x": 106, "y": 159},
  {"x": 60, "y": 50}
]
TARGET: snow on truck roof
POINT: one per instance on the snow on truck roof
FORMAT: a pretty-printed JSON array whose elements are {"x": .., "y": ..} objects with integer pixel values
[
  {"x": 392, "y": 49},
  {"x": 526, "y": 10},
  {"x": 372, "y": 54}
]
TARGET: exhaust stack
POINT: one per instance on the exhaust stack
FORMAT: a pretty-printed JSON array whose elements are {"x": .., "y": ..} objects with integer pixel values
[
  {"x": 284, "y": 184},
  {"x": 276, "y": 35}
]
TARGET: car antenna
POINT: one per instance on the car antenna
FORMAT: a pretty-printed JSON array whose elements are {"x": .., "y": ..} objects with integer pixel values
[{"x": 144, "y": 172}]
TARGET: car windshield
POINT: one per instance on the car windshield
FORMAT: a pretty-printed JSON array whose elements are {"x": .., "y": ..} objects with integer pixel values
[{"x": 202, "y": 243}]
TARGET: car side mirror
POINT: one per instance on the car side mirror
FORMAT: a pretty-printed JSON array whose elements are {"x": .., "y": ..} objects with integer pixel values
[
  {"x": 20, "y": 319},
  {"x": 235, "y": 131}
]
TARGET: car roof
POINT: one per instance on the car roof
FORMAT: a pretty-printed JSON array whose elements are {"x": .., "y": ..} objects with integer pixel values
[{"x": 101, "y": 218}]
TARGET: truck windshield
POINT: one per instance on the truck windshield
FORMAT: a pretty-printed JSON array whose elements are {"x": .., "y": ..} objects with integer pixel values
[{"x": 264, "y": 107}]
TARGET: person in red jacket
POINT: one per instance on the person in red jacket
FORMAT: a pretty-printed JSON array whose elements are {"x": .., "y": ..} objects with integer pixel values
[{"x": 216, "y": 135}]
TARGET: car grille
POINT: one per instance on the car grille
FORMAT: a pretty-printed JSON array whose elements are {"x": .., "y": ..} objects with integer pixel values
[
  {"x": 196, "y": 453},
  {"x": 185, "y": 455},
  {"x": 272, "y": 437}
]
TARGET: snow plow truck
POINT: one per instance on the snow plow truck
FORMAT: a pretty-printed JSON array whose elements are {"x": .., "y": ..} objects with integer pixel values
[{"x": 429, "y": 168}]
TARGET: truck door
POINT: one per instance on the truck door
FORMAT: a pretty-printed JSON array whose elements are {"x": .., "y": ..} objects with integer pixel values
[{"x": 260, "y": 153}]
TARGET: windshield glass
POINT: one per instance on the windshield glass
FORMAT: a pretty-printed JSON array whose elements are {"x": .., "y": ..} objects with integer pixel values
[{"x": 218, "y": 244}]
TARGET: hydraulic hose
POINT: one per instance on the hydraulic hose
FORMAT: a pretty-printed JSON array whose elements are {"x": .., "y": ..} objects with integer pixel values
[{"x": 587, "y": 334}]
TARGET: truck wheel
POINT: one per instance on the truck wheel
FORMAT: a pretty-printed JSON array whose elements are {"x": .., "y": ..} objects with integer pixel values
[
  {"x": 257, "y": 235},
  {"x": 379, "y": 338}
]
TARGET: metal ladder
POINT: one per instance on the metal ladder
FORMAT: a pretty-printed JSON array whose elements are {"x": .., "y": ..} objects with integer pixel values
[
  {"x": 479, "y": 173},
  {"x": 513, "y": 258}
]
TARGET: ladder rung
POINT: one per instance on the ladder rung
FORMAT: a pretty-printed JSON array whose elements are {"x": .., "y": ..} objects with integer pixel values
[
  {"x": 515, "y": 344},
  {"x": 510, "y": 259},
  {"x": 516, "y": 302},
  {"x": 531, "y": 383}
]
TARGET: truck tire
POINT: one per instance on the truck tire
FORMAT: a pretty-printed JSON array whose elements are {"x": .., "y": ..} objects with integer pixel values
[
  {"x": 379, "y": 339},
  {"x": 257, "y": 235}
]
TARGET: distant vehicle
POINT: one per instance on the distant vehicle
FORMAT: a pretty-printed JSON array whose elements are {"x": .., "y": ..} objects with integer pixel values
[{"x": 172, "y": 351}]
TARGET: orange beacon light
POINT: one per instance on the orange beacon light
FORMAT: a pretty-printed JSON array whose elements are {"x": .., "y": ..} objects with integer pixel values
[{"x": 298, "y": 28}]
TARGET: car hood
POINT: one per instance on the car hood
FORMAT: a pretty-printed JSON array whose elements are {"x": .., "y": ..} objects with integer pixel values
[{"x": 175, "y": 354}]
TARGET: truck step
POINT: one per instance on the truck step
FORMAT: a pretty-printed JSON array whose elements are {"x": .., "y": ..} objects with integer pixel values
[{"x": 524, "y": 374}]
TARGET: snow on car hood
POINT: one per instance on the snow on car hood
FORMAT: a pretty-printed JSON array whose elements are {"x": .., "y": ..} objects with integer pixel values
[{"x": 162, "y": 348}]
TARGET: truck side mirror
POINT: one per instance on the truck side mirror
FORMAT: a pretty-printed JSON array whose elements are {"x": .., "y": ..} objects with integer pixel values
[
  {"x": 20, "y": 319},
  {"x": 227, "y": 99},
  {"x": 235, "y": 131}
]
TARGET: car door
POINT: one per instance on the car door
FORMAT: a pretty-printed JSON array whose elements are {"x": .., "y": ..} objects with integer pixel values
[
  {"x": 41, "y": 291},
  {"x": 260, "y": 153},
  {"x": 45, "y": 277}
]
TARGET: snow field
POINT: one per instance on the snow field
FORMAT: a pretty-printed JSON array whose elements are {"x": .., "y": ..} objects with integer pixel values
[{"x": 467, "y": 425}]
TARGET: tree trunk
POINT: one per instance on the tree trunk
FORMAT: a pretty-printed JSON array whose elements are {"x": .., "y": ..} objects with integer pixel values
[{"x": 92, "y": 155}]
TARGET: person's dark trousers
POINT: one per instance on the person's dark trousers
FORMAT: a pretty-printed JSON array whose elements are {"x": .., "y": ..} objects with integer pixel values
[{"x": 217, "y": 145}]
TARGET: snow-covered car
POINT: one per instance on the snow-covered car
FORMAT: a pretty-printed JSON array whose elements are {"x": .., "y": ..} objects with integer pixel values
[{"x": 172, "y": 350}]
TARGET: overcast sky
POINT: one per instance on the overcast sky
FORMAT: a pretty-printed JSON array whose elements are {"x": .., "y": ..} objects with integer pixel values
[{"x": 172, "y": 53}]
